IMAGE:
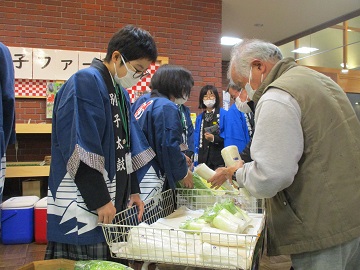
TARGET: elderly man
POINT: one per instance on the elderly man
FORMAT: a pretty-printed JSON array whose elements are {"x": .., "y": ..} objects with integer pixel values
[{"x": 306, "y": 153}]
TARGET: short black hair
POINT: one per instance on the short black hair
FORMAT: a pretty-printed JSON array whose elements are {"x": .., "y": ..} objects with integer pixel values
[
  {"x": 233, "y": 86},
  {"x": 172, "y": 80},
  {"x": 204, "y": 91},
  {"x": 133, "y": 43}
]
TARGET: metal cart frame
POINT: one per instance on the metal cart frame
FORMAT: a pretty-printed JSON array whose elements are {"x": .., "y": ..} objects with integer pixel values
[{"x": 128, "y": 239}]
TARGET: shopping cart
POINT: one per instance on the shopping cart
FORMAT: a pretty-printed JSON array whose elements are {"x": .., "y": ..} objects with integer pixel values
[{"x": 152, "y": 241}]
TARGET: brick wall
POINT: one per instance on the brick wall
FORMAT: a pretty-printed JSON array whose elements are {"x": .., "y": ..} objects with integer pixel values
[
  {"x": 188, "y": 32},
  {"x": 224, "y": 70}
]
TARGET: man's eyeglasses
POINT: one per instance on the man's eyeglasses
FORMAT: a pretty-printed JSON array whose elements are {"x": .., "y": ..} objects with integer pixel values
[{"x": 138, "y": 74}]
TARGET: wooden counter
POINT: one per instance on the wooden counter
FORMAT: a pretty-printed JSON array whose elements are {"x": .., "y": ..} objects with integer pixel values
[
  {"x": 26, "y": 169},
  {"x": 32, "y": 128}
]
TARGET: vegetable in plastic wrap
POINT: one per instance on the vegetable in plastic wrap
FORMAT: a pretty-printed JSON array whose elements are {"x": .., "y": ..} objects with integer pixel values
[
  {"x": 202, "y": 193},
  {"x": 194, "y": 224},
  {"x": 100, "y": 265},
  {"x": 227, "y": 216},
  {"x": 205, "y": 172},
  {"x": 199, "y": 183}
]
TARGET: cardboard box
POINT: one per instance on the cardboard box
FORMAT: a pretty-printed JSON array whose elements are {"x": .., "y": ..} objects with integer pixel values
[
  {"x": 56, "y": 264},
  {"x": 31, "y": 187}
]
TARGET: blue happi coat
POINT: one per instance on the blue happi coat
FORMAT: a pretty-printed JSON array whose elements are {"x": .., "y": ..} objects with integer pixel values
[
  {"x": 236, "y": 130},
  {"x": 189, "y": 128},
  {"x": 7, "y": 109},
  {"x": 160, "y": 121},
  {"x": 82, "y": 130},
  {"x": 7, "y": 101}
]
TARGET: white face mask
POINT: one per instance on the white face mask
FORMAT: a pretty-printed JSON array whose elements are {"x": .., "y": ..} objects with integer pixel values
[
  {"x": 248, "y": 87},
  {"x": 209, "y": 103},
  {"x": 128, "y": 80},
  {"x": 242, "y": 106},
  {"x": 181, "y": 101}
]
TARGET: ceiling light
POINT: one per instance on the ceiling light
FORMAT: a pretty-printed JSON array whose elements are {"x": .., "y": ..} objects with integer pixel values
[
  {"x": 230, "y": 41},
  {"x": 304, "y": 50},
  {"x": 345, "y": 67}
]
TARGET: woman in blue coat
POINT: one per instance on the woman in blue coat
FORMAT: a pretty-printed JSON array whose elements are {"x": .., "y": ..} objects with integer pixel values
[{"x": 209, "y": 129}]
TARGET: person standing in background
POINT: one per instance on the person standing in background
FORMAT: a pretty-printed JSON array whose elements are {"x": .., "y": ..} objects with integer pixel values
[
  {"x": 306, "y": 153},
  {"x": 7, "y": 109},
  {"x": 236, "y": 128},
  {"x": 209, "y": 129},
  {"x": 160, "y": 120},
  {"x": 246, "y": 106},
  {"x": 97, "y": 146}
]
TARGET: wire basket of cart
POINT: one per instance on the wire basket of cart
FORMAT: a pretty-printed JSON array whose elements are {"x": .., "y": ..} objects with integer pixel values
[{"x": 175, "y": 230}]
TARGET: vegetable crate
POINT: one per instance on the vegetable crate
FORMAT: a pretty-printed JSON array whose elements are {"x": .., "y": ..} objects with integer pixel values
[{"x": 158, "y": 238}]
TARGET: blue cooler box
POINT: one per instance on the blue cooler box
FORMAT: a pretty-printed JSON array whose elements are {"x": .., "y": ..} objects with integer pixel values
[{"x": 17, "y": 220}]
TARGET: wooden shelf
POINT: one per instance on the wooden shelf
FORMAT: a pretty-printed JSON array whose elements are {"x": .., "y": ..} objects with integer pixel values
[
  {"x": 33, "y": 128},
  {"x": 24, "y": 169}
]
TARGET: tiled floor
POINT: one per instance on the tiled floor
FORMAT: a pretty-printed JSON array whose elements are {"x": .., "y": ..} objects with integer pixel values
[{"x": 14, "y": 256}]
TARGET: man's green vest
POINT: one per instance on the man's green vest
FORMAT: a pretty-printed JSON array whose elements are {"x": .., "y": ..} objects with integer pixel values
[{"x": 321, "y": 208}]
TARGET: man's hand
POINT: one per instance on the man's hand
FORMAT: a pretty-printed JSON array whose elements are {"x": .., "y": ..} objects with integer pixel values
[
  {"x": 244, "y": 96},
  {"x": 135, "y": 199},
  {"x": 219, "y": 177},
  {"x": 209, "y": 137},
  {"x": 222, "y": 174},
  {"x": 188, "y": 161},
  {"x": 106, "y": 213},
  {"x": 188, "y": 180}
]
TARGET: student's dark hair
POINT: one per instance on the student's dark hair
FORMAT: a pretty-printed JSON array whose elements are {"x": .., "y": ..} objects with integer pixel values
[
  {"x": 133, "y": 43},
  {"x": 204, "y": 91},
  {"x": 233, "y": 86},
  {"x": 172, "y": 80}
]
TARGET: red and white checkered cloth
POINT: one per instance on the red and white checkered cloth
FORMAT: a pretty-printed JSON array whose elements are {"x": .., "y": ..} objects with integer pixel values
[
  {"x": 30, "y": 87},
  {"x": 142, "y": 85}
]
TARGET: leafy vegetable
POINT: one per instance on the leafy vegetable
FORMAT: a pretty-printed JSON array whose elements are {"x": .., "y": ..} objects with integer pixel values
[
  {"x": 226, "y": 216},
  {"x": 200, "y": 183},
  {"x": 195, "y": 224},
  {"x": 223, "y": 223},
  {"x": 100, "y": 265},
  {"x": 206, "y": 173}
]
